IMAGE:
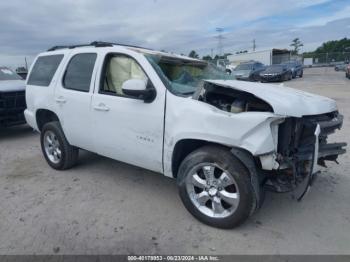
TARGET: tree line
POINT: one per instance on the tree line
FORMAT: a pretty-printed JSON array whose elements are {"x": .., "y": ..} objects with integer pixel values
[
  {"x": 335, "y": 50},
  {"x": 338, "y": 50}
]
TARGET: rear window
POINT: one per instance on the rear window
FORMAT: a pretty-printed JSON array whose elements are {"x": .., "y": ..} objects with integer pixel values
[{"x": 44, "y": 69}]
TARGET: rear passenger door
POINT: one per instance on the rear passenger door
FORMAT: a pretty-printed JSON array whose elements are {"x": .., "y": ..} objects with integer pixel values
[{"x": 73, "y": 98}]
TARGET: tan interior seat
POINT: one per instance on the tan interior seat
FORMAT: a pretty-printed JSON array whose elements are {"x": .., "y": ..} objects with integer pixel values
[{"x": 120, "y": 69}]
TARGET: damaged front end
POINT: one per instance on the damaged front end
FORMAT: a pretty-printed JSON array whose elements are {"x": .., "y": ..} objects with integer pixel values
[
  {"x": 302, "y": 145},
  {"x": 300, "y": 136}
]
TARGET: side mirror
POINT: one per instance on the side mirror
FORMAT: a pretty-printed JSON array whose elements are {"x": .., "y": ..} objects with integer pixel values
[{"x": 138, "y": 89}]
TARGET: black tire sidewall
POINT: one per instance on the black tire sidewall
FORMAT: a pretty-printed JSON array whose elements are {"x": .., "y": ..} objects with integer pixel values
[
  {"x": 228, "y": 162},
  {"x": 56, "y": 129}
]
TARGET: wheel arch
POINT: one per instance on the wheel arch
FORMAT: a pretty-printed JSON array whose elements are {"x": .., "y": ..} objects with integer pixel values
[
  {"x": 186, "y": 146},
  {"x": 44, "y": 116}
]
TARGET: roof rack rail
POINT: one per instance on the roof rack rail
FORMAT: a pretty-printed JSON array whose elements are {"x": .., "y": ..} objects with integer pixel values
[
  {"x": 94, "y": 43},
  {"x": 104, "y": 44}
]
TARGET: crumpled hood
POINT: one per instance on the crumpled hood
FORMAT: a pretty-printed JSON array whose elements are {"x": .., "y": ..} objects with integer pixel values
[
  {"x": 12, "y": 85},
  {"x": 284, "y": 100}
]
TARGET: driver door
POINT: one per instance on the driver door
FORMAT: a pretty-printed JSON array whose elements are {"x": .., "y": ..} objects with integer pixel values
[{"x": 126, "y": 128}]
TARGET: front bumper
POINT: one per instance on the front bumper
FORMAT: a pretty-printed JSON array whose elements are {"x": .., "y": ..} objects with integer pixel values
[
  {"x": 326, "y": 151},
  {"x": 271, "y": 78},
  {"x": 12, "y": 106},
  {"x": 302, "y": 146}
]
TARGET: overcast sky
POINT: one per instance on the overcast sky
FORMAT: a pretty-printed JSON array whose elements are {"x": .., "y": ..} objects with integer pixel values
[{"x": 29, "y": 27}]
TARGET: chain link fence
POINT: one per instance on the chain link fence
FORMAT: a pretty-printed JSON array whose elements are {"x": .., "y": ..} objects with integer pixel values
[{"x": 326, "y": 59}]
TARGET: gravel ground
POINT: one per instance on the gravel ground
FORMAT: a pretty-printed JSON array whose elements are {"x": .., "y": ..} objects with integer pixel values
[{"x": 103, "y": 206}]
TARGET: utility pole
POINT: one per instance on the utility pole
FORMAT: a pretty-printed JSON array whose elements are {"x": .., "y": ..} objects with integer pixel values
[
  {"x": 220, "y": 39},
  {"x": 211, "y": 53},
  {"x": 254, "y": 45},
  {"x": 25, "y": 60}
]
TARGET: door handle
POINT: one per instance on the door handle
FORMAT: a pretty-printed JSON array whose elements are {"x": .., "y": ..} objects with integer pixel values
[
  {"x": 101, "y": 107},
  {"x": 60, "y": 100}
]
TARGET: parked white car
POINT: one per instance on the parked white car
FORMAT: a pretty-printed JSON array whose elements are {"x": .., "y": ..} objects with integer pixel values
[
  {"x": 230, "y": 68},
  {"x": 223, "y": 140}
]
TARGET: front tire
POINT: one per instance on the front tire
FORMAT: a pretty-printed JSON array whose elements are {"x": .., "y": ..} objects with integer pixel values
[
  {"x": 215, "y": 187},
  {"x": 58, "y": 153}
]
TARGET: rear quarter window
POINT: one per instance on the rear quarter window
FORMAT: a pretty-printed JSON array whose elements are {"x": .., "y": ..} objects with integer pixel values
[
  {"x": 44, "y": 69},
  {"x": 79, "y": 72}
]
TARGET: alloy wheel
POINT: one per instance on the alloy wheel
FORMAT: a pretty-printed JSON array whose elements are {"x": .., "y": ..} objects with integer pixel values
[
  {"x": 213, "y": 190},
  {"x": 52, "y": 147}
]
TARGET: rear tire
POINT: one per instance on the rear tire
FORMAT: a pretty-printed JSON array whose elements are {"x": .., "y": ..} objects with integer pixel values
[
  {"x": 215, "y": 187},
  {"x": 58, "y": 153}
]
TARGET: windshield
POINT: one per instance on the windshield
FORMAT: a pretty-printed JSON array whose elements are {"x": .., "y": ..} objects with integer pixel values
[
  {"x": 7, "y": 74},
  {"x": 185, "y": 76},
  {"x": 244, "y": 67},
  {"x": 291, "y": 63}
]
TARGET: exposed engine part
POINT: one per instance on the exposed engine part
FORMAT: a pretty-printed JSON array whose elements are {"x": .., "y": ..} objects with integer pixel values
[{"x": 231, "y": 100}]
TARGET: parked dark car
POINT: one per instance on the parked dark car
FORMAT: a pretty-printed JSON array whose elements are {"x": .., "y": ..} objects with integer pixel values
[
  {"x": 249, "y": 71},
  {"x": 12, "y": 98},
  {"x": 296, "y": 67},
  {"x": 276, "y": 73}
]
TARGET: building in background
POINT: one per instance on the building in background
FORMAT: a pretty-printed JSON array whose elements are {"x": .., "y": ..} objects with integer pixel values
[{"x": 267, "y": 57}]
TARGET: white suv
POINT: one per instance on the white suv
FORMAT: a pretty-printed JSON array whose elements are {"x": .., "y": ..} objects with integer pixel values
[{"x": 224, "y": 141}]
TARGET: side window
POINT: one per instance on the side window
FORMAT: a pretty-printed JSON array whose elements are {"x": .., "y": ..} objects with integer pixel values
[
  {"x": 44, "y": 69},
  {"x": 117, "y": 69},
  {"x": 79, "y": 72}
]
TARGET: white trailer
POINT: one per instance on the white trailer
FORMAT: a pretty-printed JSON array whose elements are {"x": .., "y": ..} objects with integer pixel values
[
  {"x": 267, "y": 57},
  {"x": 308, "y": 61}
]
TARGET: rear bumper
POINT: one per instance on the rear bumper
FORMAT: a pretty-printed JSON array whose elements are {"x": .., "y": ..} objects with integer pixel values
[{"x": 30, "y": 118}]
